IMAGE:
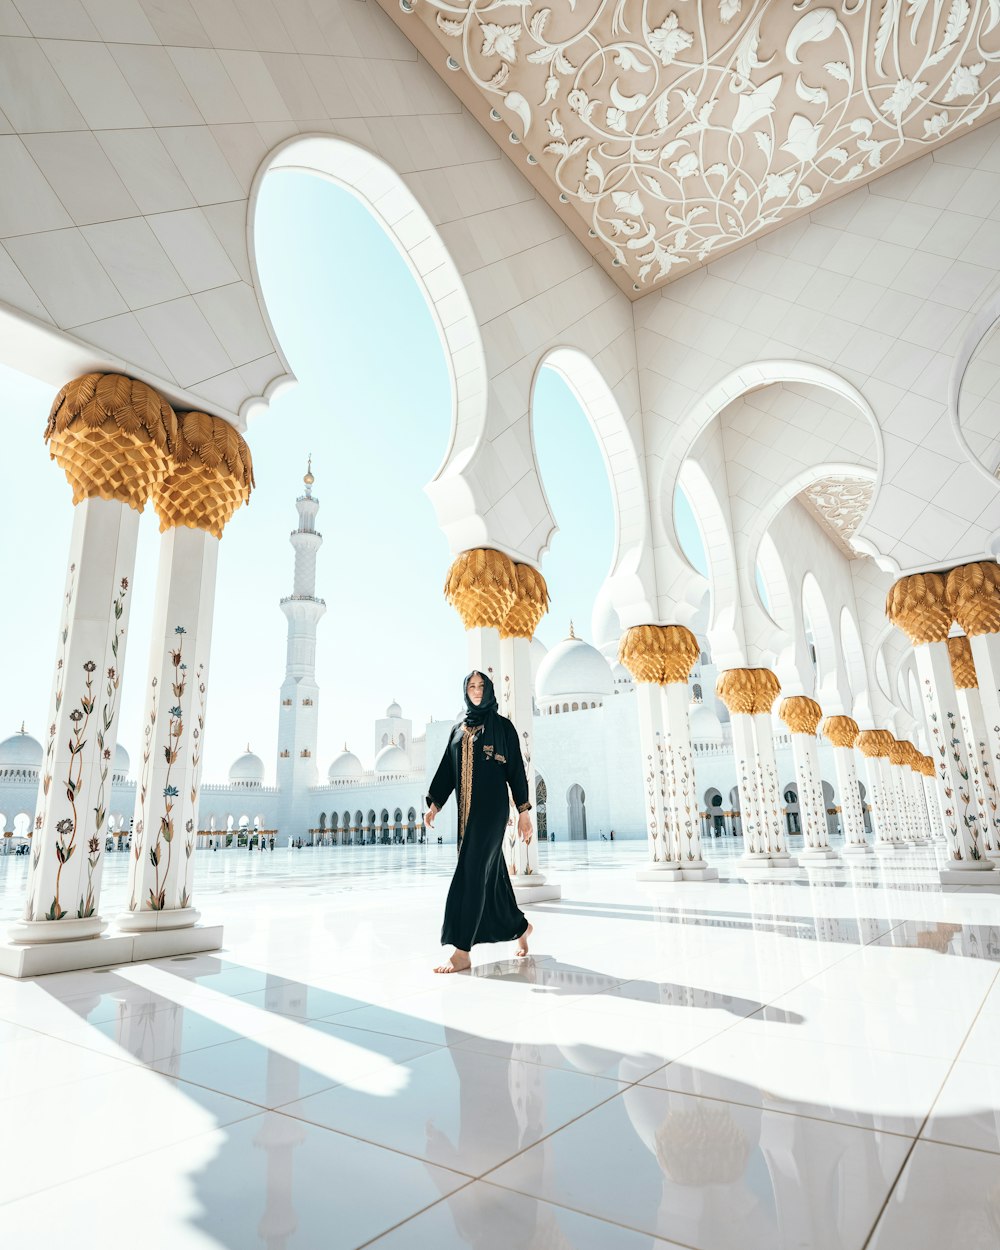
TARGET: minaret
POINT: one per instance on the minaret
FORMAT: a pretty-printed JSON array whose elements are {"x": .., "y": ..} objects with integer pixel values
[{"x": 299, "y": 712}]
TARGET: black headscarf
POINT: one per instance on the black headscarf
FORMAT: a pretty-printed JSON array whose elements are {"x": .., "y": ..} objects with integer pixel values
[{"x": 476, "y": 715}]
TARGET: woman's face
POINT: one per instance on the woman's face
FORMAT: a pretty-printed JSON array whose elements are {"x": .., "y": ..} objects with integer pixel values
[{"x": 475, "y": 689}]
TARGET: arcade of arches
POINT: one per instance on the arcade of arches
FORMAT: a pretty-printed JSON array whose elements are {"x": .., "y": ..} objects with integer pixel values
[{"x": 759, "y": 242}]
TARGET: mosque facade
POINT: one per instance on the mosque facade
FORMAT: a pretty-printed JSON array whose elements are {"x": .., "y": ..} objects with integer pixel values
[{"x": 588, "y": 763}]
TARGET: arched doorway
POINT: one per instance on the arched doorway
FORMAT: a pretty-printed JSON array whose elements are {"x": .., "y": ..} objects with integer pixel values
[
  {"x": 793, "y": 821},
  {"x": 576, "y": 805},
  {"x": 541, "y": 799}
]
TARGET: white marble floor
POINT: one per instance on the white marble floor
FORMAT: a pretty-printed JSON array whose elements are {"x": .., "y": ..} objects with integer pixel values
[{"x": 807, "y": 1063}]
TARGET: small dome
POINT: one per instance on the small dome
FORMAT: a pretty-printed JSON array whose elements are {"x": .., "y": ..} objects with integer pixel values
[
  {"x": 122, "y": 761},
  {"x": 392, "y": 759},
  {"x": 345, "y": 766},
  {"x": 621, "y": 676},
  {"x": 394, "y": 711},
  {"x": 704, "y": 722},
  {"x": 249, "y": 768},
  {"x": 575, "y": 670},
  {"x": 21, "y": 750}
]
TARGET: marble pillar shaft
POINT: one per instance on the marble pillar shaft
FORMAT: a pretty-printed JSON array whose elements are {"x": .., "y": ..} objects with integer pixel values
[
  {"x": 986, "y": 657},
  {"x": 977, "y": 743},
  {"x": 655, "y": 775},
  {"x": 812, "y": 805},
  {"x": 963, "y": 831},
  {"x": 769, "y": 787},
  {"x": 880, "y": 794},
  {"x": 755, "y": 839},
  {"x": 683, "y": 784},
  {"x": 67, "y": 851},
  {"x": 851, "y": 810},
  {"x": 166, "y": 808},
  {"x": 514, "y": 698}
]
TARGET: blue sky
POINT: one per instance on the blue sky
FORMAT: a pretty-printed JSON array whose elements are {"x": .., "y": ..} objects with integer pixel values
[{"x": 373, "y": 407}]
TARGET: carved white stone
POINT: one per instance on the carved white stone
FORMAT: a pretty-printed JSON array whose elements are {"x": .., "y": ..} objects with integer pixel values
[{"x": 678, "y": 137}]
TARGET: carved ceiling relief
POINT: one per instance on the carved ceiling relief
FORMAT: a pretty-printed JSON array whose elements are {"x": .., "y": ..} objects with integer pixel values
[
  {"x": 839, "y": 504},
  {"x": 679, "y": 130}
]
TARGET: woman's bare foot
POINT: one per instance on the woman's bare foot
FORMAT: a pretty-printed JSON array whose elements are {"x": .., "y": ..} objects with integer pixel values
[
  {"x": 522, "y": 942},
  {"x": 459, "y": 962}
]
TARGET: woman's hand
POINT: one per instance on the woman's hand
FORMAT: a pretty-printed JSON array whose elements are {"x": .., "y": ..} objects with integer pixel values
[
  {"x": 524, "y": 830},
  {"x": 429, "y": 815}
]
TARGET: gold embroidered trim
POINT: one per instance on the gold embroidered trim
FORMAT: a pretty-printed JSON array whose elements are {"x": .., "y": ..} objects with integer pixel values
[
  {"x": 525, "y": 807},
  {"x": 500, "y": 759},
  {"x": 465, "y": 783}
]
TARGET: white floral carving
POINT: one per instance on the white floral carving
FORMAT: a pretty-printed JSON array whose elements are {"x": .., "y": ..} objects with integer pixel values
[
  {"x": 720, "y": 107},
  {"x": 840, "y": 504}
]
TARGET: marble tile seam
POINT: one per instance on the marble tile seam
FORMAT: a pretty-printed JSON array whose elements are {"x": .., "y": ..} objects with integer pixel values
[
  {"x": 660, "y": 1241},
  {"x": 920, "y": 1132}
]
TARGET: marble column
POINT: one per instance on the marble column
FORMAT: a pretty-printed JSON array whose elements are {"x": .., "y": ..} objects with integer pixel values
[
  {"x": 802, "y": 717},
  {"x": 194, "y": 503},
  {"x": 660, "y": 659},
  {"x": 684, "y": 788},
  {"x": 921, "y": 814},
  {"x": 918, "y": 605},
  {"x": 112, "y": 437},
  {"x": 973, "y": 592},
  {"x": 874, "y": 745},
  {"x": 899, "y": 776},
  {"x": 663, "y": 863},
  {"x": 749, "y": 694},
  {"x": 977, "y": 740},
  {"x": 841, "y": 731},
  {"x": 515, "y": 697}
]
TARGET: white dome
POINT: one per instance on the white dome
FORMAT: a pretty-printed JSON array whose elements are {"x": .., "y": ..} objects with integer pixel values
[
  {"x": 21, "y": 750},
  {"x": 248, "y": 768},
  {"x": 573, "y": 670},
  {"x": 392, "y": 759},
  {"x": 122, "y": 761},
  {"x": 704, "y": 722},
  {"x": 394, "y": 711},
  {"x": 346, "y": 765}
]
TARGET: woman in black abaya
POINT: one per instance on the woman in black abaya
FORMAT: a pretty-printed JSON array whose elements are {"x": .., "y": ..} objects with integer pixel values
[{"x": 482, "y": 758}]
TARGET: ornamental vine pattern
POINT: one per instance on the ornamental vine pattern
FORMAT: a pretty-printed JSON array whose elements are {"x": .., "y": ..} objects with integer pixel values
[
  {"x": 105, "y": 737},
  {"x": 165, "y": 831},
  {"x": 138, "y": 833},
  {"x": 197, "y": 734},
  {"x": 679, "y": 131},
  {"x": 67, "y": 827}
]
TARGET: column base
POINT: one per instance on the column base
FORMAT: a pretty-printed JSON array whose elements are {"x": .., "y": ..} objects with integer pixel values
[
  {"x": 818, "y": 854},
  {"x": 976, "y": 873},
  {"x": 764, "y": 865},
  {"x": 994, "y": 855},
  {"x": 541, "y": 891},
  {"x": 158, "y": 921},
  {"x": 668, "y": 870},
  {"x": 698, "y": 870},
  {"x": 783, "y": 860},
  {"x": 41, "y": 958},
  {"x": 37, "y": 932},
  {"x": 890, "y": 848},
  {"x": 856, "y": 850}
]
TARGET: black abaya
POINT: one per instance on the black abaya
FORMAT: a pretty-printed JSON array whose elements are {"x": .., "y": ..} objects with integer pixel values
[{"x": 479, "y": 763}]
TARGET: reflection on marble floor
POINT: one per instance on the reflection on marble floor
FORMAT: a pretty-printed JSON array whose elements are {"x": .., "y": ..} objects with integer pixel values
[{"x": 728, "y": 1065}]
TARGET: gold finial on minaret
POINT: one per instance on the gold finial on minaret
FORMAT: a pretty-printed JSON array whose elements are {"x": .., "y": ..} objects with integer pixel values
[
  {"x": 571, "y": 633},
  {"x": 308, "y": 476}
]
